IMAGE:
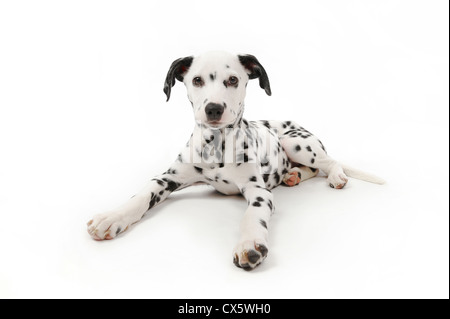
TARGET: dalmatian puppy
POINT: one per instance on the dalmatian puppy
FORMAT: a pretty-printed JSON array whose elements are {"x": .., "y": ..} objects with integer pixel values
[{"x": 233, "y": 155}]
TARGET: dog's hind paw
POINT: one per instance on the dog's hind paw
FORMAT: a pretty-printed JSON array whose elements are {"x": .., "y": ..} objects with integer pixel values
[{"x": 292, "y": 177}]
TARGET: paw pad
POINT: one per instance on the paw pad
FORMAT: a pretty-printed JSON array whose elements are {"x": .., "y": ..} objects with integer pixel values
[
  {"x": 291, "y": 179},
  {"x": 249, "y": 259}
]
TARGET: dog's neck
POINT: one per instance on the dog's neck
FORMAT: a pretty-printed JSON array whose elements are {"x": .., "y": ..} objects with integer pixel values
[
  {"x": 216, "y": 146},
  {"x": 207, "y": 133}
]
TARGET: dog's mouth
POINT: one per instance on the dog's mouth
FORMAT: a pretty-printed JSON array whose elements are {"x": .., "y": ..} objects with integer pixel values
[{"x": 215, "y": 124}]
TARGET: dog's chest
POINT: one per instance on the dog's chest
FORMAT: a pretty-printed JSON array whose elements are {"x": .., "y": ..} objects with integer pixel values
[{"x": 223, "y": 179}]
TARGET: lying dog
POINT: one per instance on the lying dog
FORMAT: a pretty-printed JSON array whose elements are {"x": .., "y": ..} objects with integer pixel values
[{"x": 232, "y": 154}]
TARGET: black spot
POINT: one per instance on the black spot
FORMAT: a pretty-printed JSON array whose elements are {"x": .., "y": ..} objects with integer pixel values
[
  {"x": 206, "y": 100},
  {"x": 266, "y": 177},
  {"x": 263, "y": 223},
  {"x": 226, "y": 182},
  {"x": 227, "y": 66},
  {"x": 298, "y": 148},
  {"x": 252, "y": 179},
  {"x": 212, "y": 77},
  {"x": 242, "y": 158},
  {"x": 161, "y": 192},
  {"x": 236, "y": 261},
  {"x": 198, "y": 169},
  {"x": 313, "y": 169},
  {"x": 262, "y": 249},
  {"x": 152, "y": 203},
  {"x": 246, "y": 266},
  {"x": 270, "y": 204},
  {"x": 309, "y": 148},
  {"x": 312, "y": 160},
  {"x": 253, "y": 256},
  {"x": 259, "y": 199},
  {"x": 172, "y": 186},
  {"x": 256, "y": 204},
  {"x": 118, "y": 230},
  {"x": 266, "y": 124}
]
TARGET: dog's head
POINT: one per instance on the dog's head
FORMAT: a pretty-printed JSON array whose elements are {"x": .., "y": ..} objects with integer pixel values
[{"x": 216, "y": 84}]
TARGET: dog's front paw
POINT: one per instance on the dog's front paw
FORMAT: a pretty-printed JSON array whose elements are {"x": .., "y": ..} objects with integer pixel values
[
  {"x": 107, "y": 226},
  {"x": 249, "y": 254}
]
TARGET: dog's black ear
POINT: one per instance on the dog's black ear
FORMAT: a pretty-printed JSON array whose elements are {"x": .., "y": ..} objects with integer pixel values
[
  {"x": 177, "y": 71},
  {"x": 256, "y": 70}
]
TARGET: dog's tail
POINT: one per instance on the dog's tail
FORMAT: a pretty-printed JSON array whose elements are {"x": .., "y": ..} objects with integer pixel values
[{"x": 358, "y": 174}]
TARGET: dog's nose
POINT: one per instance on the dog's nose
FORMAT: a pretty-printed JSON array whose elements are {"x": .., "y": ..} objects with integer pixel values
[{"x": 214, "y": 111}]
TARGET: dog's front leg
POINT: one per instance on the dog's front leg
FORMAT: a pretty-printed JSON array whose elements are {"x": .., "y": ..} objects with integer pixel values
[
  {"x": 252, "y": 248},
  {"x": 110, "y": 224}
]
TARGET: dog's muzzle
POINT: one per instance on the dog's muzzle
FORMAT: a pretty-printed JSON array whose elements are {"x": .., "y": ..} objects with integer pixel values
[{"x": 214, "y": 111}]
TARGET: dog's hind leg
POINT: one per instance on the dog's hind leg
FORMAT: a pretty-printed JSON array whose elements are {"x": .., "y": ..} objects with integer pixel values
[
  {"x": 305, "y": 149},
  {"x": 298, "y": 174}
]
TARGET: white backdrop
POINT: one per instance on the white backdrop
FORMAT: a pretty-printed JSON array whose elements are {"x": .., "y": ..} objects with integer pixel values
[{"x": 84, "y": 124}]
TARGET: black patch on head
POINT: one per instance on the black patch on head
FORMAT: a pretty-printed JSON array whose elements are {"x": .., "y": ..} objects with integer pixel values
[{"x": 176, "y": 71}]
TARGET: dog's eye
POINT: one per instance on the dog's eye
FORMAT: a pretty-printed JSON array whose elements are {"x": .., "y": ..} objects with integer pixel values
[
  {"x": 198, "y": 81},
  {"x": 233, "y": 81}
]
